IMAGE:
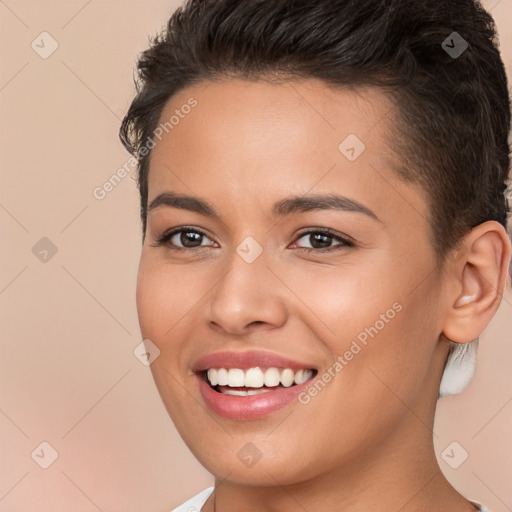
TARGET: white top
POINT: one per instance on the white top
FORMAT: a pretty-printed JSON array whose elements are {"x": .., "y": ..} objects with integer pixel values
[{"x": 195, "y": 503}]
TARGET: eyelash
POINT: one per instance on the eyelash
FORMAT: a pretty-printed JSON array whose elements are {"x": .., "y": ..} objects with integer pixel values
[{"x": 345, "y": 242}]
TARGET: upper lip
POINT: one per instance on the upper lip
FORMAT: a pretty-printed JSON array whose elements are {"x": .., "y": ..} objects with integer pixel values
[{"x": 244, "y": 360}]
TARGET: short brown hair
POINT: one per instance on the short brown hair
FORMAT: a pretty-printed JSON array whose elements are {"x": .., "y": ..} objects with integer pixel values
[{"x": 453, "y": 115}]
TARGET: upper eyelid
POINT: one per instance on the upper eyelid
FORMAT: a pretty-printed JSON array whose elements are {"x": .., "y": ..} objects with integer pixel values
[{"x": 325, "y": 231}]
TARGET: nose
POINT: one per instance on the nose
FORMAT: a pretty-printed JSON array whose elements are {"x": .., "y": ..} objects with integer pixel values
[{"x": 249, "y": 296}]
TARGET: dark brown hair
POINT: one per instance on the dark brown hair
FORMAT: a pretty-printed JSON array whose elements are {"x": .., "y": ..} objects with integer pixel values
[{"x": 453, "y": 110}]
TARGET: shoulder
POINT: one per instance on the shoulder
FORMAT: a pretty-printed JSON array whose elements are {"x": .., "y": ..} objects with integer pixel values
[{"x": 195, "y": 503}]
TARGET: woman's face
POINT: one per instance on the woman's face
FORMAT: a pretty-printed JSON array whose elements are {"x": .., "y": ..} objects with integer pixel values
[{"x": 256, "y": 281}]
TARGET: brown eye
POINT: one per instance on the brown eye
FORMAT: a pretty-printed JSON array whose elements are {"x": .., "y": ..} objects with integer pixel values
[
  {"x": 188, "y": 238},
  {"x": 183, "y": 238},
  {"x": 321, "y": 240}
]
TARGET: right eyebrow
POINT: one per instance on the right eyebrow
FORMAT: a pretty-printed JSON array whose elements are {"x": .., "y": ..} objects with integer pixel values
[{"x": 183, "y": 202}]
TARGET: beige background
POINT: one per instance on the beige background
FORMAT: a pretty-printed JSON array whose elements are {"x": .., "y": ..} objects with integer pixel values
[{"x": 69, "y": 326}]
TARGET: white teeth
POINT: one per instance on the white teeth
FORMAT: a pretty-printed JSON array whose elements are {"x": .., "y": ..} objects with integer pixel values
[
  {"x": 212, "y": 376},
  {"x": 257, "y": 391},
  {"x": 298, "y": 377},
  {"x": 236, "y": 377},
  {"x": 222, "y": 377},
  {"x": 272, "y": 377},
  {"x": 287, "y": 377},
  {"x": 302, "y": 376},
  {"x": 256, "y": 378},
  {"x": 236, "y": 392}
]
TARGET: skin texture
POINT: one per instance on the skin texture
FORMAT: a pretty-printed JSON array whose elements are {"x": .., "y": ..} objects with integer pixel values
[{"x": 365, "y": 441}]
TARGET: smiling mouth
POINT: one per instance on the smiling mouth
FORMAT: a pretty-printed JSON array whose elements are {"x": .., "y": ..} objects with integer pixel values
[{"x": 255, "y": 381}]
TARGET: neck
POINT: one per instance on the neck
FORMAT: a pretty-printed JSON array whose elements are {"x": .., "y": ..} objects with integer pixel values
[{"x": 385, "y": 478}]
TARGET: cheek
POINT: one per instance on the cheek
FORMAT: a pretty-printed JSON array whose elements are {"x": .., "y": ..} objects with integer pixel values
[
  {"x": 163, "y": 298},
  {"x": 388, "y": 350},
  {"x": 346, "y": 300},
  {"x": 370, "y": 319}
]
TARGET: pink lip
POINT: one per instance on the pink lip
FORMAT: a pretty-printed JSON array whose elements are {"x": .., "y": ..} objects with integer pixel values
[
  {"x": 246, "y": 360},
  {"x": 248, "y": 407},
  {"x": 252, "y": 406}
]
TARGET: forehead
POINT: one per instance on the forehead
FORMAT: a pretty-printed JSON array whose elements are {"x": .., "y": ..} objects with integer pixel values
[
  {"x": 260, "y": 139},
  {"x": 271, "y": 120}
]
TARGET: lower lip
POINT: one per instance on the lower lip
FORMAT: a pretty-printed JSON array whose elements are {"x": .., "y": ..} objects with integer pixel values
[{"x": 248, "y": 407}]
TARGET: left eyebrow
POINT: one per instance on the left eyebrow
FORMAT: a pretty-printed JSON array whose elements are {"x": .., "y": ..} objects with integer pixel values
[
  {"x": 283, "y": 207},
  {"x": 320, "y": 202}
]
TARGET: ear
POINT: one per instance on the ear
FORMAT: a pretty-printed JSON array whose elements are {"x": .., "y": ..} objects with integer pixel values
[{"x": 478, "y": 273}]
